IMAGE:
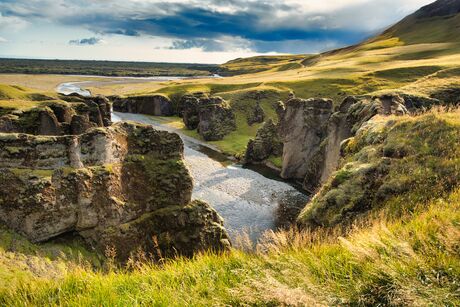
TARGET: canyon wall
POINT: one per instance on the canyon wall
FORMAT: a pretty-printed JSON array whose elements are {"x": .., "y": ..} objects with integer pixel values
[{"x": 123, "y": 186}]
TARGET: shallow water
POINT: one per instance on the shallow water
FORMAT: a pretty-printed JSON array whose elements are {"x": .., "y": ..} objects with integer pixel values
[
  {"x": 72, "y": 87},
  {"x": 247, "y": 200}
]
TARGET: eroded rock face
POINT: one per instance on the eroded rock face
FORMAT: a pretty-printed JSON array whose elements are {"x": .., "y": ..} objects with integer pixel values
[
  {"x": 190, "y": 106},
  {"x": 157, "y": 105},
  {"x": 124, "y": 186},
  {"x": 212, "y": 116},
  {"x": 257, "y": 115},
  {"x": 312, "y": 132},
  {"x": 74, "y": 115},
  {"x": 216, "y": 119},
  {"x": 265, "y": 144},
  {"x": 302, "y": 128}
]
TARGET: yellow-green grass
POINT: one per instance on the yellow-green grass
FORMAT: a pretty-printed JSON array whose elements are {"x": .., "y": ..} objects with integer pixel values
[
  {"x": 410, "y": 261},
  {"x": 19, "y": 104},
  {"x": 276, "y": 161},
  {"x": 14, "y": 97},
  {"x": 263, "y": 63},
  {"x": 396, "y": 61},
  {"x": 392, "y": 164},
  {"x": 40, "y": 82}
]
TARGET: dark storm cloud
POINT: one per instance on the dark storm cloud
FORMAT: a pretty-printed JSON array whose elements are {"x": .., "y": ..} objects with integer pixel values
[{"x": 203, "y": 24}]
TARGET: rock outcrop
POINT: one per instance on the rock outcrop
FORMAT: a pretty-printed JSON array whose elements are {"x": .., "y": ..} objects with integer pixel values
[
  {"x": 216, "y": 119},
  {"x": 74, "y": 115},
  {"x": 190, "y": 108},
  {"x": 211, "y": 116},
  {"x": 265, "y": 144},
  {"x": 312, "y": 132},
  {"x": 123, "y": 186},
  {"x": 158, "y": 105},
  {"x": 257, "y": 115},
  {"x": 395, "y": 164},
  {"x": 302, "y": 128}
]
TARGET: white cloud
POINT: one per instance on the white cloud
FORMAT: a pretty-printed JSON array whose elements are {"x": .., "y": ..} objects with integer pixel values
[
  {"x": 12, "y": 23},
  {"x": 3, "y": 40}
]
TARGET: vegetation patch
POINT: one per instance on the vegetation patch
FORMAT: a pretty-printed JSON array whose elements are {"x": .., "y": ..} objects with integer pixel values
[{"x": 385, "y": 169}]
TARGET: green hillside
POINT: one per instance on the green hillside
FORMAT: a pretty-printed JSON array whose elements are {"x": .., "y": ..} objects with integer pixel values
[
  {"x": 395, "y": 258},
  {"x": 383, "y": 231}
]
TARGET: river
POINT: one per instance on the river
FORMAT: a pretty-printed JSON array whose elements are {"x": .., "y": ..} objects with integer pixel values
[{"x": 247, "y": 200}]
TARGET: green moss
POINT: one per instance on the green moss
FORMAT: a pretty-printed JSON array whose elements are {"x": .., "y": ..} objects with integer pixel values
[
  {"x": 387, "y": 170},
  {"x": 276, "y": 161},
  {"x": 13, "y": 150},
  {"x": 27, "y": 172}
]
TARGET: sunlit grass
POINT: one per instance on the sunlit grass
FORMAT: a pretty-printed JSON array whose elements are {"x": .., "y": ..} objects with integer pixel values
[{"x": 410, "y": 261}]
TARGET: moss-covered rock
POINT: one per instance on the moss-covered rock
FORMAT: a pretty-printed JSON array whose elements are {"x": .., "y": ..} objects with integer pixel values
[
  {"x": 257, "y": 115},
  {"x": 158, "y": 105},
  {"x": 211, "y": 116},
  {"x": 266, "y": 143},
  {"x": 117, "y": 187},
  {"x": 216, "y": 119},
  {"x": 389, "y": 164},
  {"x": 59, "y": 117}
]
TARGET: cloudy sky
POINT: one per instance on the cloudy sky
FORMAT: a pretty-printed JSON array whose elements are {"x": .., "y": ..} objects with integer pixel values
[{"x": 199, "y": 31}]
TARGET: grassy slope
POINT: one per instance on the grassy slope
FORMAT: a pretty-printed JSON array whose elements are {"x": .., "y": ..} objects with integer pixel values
[
  {"x": 418, "y": 57},
  {"x": 412, "y": 262},
  {"x": 402, "y": 257},
  {"x": 399, "y": 257},
  {"x": 392, "y": 164},
  {"x": 20, "y": 98}
]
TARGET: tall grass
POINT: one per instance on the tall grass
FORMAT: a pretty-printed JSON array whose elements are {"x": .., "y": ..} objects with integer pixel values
[{"x": 410, "y": 261}]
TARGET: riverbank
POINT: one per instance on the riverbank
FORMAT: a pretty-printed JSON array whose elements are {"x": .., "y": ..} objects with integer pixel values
[{"x": 248, "y": 201}]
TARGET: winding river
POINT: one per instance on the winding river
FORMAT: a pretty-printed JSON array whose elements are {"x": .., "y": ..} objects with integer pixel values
[{"x": 247, "y": 200}]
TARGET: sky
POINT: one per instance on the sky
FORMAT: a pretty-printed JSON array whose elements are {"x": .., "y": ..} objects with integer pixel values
[{"x": 189, "y": 31}]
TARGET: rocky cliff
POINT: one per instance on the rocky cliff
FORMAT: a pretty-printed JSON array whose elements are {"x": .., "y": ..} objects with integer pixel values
[
  {"x": 390, "y": 163},
  {"x": 157, "y": 105},
  {"x": 72, "y": 115},
  {"x": 123, "y": 186},
  {"x": 265, "y": 144},
  {"x": 312, "y": 132},
  {"x": 211, "y": 116}
]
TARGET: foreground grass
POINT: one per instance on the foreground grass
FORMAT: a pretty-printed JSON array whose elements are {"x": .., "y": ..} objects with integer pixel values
[
  {"x": 406, "y": 252},
  {"x": 411, "y": 261}
]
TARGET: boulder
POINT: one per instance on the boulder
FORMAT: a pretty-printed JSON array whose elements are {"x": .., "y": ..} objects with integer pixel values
[
  {"x": 265, "y": 144},
  {"x": 257, "y": 115},
  {"x": 123, "y": 187},
  {"x": 216, "y": 119}
]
